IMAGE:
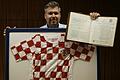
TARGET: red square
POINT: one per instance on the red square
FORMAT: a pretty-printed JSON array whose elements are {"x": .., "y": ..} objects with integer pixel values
[
  {"x": 42, "y": 38},
  {"x": 43, "y": 50},
  {"x": 38, "y": 44},
  {"x": 85, "y": 51},
  {"x": 43, "y": 62},
  {"x": 37, "y": 68},
  {"x": 36, "y": 79},
  {"x": 27, "y": 50},
  {"x": 59, "y": 68},
  {"x": 64, "y": 74},
  {"x": 24, "y": 58},
  {"x": 61, "y": 44},
  {"x": 49, "y": 56},
  {"x": 19, "y": 48},
  {"x": 92, "y": 48},
  {"x": 58, "y": 78},
  {"x": 55, "y": 50},
  {"x": 66, "y": 63},
  {"x": 77, "y": 54},
  {"x": 30, "y": 43},
  {"x": 53, "y": 74},
  {"x": 17, "y": 56},
  {"x": 60, "y": 56},
  {"x": 49, "y": 44},
  {"x": 74, "y": 46},
  {"x": 88, "y": 58},
  {"x": 37, "y": 57},
  {"x": 47, "y": 78},
  {"x": 42, "y": 74}
]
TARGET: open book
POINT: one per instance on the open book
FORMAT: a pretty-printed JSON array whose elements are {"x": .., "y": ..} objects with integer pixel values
[{"x": 100, "y": 32}]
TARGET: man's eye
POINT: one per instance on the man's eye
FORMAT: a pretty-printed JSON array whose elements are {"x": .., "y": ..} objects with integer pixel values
[
  {"x": 50, "y": 13},
  {"x": 56, "y": 13}
]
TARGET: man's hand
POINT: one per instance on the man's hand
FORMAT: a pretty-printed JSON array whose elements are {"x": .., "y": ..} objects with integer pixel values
[{"x": 94, "y": 15}]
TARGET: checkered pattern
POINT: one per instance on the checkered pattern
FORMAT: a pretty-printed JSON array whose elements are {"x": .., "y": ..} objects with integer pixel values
[{"x": 51, "y": 60}]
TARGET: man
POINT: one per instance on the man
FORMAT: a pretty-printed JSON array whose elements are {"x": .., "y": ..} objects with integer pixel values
[
  {"x": 52, "y": 58},
  {"x": 52, "y": 15},
  {"x": 71, "y": 50}
]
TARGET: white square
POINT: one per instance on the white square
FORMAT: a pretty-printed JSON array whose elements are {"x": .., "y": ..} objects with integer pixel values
[
  {"x": 61, "y": 50},
  {"x": 32, "y": 48},
  {"x": 60, "y": 62},
  {"x": 49, "y": 50},
  {"x": 63, "y": 78},
  {"x": 90, "y": 53},
  {"x": 72, "y": 51},
  {"x": 62, "y": 39},
  {"x": 50, "y": 63},
  {"x": 37, "y": 74},
  {"x": 36, "y": 39},
  {"x": 52, "y": 78},
  {"x": 36, "y": 62},
  {"x": 68, "y": 44},
  {"x": 29, "y": 56},
  {"x": 19, "y": 59},
  {"x": 58, "y": 74},
  {"x": 55, "y": 57},
  {"x": 43, "y": 56},
  {"x": 43, "y": 44},
  {"x": 41, "y": 78},
  {"x": 38, "y": 50},
  {"x": 24, "y": 46},
  {"x": 22, "y": 53},
  {"x": 55, "y": 44},
  {"x": 55, "y": 70},
  {"x": 43, "y": 69},
  {"x": 14, "y": 51},
  {"x": 65, "y": 68},
  {"x": 83, "y": 56}
]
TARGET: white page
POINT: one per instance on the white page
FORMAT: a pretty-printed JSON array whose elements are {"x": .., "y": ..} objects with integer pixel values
[
  {"x": 103, "y": 31},
  {"x": 78, "y": 27}
]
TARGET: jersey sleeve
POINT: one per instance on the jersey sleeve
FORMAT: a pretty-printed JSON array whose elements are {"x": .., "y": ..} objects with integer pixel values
[
  {"x": 25, "y": 49},
  {"x": 82, "y": 51}
]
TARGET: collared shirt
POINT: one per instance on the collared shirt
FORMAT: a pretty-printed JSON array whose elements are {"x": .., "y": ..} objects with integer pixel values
[
  {"x": 60, "y": 26},
  {"x": 51, "y": 60}
]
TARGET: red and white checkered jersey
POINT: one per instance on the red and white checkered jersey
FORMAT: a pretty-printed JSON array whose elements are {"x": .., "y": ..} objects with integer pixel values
[{"x": 51, "y": 58}]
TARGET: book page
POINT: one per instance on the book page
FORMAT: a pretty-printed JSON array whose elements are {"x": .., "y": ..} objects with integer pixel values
[
  {"x": 78, "y": 27},
  {"x": 103, "y": 31}
]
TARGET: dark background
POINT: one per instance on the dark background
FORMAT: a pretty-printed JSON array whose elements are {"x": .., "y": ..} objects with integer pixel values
[{"x": 29, "y": 13}]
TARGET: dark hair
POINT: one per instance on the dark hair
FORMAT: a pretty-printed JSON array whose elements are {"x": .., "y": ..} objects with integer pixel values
[{"x": 52, "y": 4}]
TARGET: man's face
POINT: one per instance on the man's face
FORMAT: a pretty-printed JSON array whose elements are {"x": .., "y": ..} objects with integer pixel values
[{"x": 52, "y": 16}]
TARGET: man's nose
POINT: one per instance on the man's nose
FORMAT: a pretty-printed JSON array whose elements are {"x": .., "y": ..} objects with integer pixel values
[{"x": 53, "y": 15}]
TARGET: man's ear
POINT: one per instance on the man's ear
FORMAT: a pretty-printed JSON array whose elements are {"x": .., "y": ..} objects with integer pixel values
[{"x": 44, "y": 15}]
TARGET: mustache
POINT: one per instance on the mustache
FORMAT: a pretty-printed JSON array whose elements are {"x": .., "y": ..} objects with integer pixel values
[{"x": 53, "y": 18}]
